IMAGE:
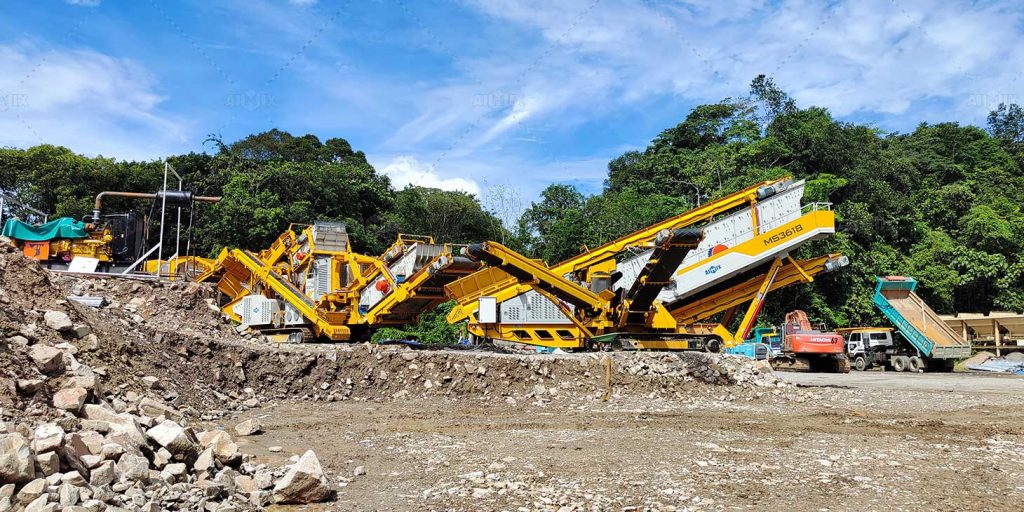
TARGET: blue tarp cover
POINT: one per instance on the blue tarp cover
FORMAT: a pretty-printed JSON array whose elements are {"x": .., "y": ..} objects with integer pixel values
[{"x": 64, "y": 227}]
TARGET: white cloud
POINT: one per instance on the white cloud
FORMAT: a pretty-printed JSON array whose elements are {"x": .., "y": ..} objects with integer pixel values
[
  {"x": 874, "y": 58},
  {"x": 302, "y": 2},
  {"x": 85, "y": 100},
  {"x": 85, "y": 3},
  {"x": 407, "y": 170}
]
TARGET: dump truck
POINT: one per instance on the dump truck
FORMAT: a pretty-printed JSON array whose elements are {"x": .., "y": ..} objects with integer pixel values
[
  {"x": 923, "y": 343},
  {"x": 765, "y": 344}
]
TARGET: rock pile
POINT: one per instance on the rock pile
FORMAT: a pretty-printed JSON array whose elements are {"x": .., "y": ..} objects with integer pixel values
[
  {"x": 710, "y": 368},
  {"x": 100, "y": 455}
]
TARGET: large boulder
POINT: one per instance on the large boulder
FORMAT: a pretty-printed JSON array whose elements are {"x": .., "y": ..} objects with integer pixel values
[
  {"x": 177, "y": 439},
  {"x": 16, "y": 462},
  {"x": 249, "y": 427},
  {"x": 48, "y": 359},
  {"x": 225, "y": 450},
  {"x": 303, "y": 483}
]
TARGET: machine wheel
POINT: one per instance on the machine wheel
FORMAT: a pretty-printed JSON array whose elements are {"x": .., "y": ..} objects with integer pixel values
[
  {"x": 860, "y": 364},
  {"x": 900, "y": 363},
  {"x": 915, "y": 364},
  {"x": 713, "y": 345}
]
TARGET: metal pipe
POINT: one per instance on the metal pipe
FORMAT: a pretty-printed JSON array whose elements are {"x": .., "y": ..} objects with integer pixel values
[{"x": 98, "y": 204}]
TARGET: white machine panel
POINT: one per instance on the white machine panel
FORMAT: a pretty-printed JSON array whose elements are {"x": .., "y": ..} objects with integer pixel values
[
  {"x": 487, "y": 311},
  {"x": 257, "y": 310},
  {"x": 531, "y": 308},
  {"x": 721, "y": 235},
  {"x": 292, "y": 316},
  {"x": 414, "y": 259}
]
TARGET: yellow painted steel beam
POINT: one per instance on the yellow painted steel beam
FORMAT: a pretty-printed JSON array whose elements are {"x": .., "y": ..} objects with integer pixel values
[
  {"x": 541, "y": 275},
  {"x": 609, "y": 250},
  {"x": 324, "y": 322},
  {"x": 741, "y": 293},
  {"x": 411, "y": 286},
  {"x": 757, "y": 302}
]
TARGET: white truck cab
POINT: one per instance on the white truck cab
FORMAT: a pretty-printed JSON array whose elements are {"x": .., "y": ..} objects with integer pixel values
[{"x": 875, "y": 346}]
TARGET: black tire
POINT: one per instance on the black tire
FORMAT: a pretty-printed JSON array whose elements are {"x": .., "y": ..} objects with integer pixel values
[
  {"x": 860, "y": 363},
  {"x": 713, "y": 345},
  {"x": 900, "y": 363},
  {"x": 915, "y": 364}
]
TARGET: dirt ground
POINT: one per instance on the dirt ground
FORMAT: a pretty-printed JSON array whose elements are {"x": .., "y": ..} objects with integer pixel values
[{"x": 863, "y": 441}]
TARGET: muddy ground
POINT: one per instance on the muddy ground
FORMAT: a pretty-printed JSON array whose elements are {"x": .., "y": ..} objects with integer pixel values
[{"x": 877, "y": 442}]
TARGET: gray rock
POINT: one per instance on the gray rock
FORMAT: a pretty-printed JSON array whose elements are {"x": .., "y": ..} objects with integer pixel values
[
  {"x": 39, "y": 504},
  {"x": 70, "y": 399},
  {"x": 176, "y": 439},
  {"x": 48, "y": 359},
  {"x": 174, "y": 473},
  {"x": 47, "y": 437},
  {"x": 74, "y": 478},
  {"x": 31, "y": 491},
  {"x": 16, "y": 462},
  {"x": 133, "y": 468},
  {"x": 249, "y": 427},
  {"x": 48, "y": 463},
  {"x": 152, "y": 408},
  {"x": 224, "y": 450},
  {"x": 68, "y": 495},
  {"x": 58, "y": 321},
  {"x": 73, "y": 450},
  {"x": 30, "y": 386},
  {"x": 104, "y": 474},
  {"x": 303, "y": 483}
]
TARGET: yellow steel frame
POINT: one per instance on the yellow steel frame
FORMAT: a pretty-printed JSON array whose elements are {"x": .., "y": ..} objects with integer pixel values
[
  {"x": 601, "y": 258},
  {"x": 790, "y": 273}
]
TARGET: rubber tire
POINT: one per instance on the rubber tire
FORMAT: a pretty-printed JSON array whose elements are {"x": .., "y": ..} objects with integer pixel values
[
  {"x": 900, "y": 363},
  {"x": 916, "y": 364},
  {"x": 860, "y": 364},
  {"x": 714, "y": 345}
]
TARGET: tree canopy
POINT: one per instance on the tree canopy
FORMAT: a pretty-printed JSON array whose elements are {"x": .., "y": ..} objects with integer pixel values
[
  {"x": 942, "y": 203},
  {"x": 267, "y": 180}
]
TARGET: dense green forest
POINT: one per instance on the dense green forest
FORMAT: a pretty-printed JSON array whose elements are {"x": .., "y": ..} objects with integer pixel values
[
  {"x": 942, "y": 203},
  {"x": 267, "y": 181}
]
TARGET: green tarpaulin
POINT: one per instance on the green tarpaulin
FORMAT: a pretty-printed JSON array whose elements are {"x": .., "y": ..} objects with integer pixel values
[{"x": 64, "y": 227}]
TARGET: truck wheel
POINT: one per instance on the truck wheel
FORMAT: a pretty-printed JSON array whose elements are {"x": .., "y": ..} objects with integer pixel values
[
  {"x": 915, "y": 364},
  {"x": 900, "y": 363},
  {"x": 860, "y": 364}
]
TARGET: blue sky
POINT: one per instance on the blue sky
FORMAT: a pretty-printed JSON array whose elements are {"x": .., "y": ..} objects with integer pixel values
[{"x": 485, "y": 96}]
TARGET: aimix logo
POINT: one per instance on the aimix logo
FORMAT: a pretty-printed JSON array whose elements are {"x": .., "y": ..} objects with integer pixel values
[
  {"x": 712, "y": 270},
  {"x": 250, "y": 100}
]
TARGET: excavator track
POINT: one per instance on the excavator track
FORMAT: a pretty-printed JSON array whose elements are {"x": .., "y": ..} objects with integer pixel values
[{"x": 837, "y": 363}]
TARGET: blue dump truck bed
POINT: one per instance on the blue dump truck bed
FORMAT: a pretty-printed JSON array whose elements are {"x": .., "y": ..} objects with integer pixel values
[{"x": 895, "y": 298}]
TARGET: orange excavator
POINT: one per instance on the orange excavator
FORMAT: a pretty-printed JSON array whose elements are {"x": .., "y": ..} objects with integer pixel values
[{"x": 806, "y": 347}]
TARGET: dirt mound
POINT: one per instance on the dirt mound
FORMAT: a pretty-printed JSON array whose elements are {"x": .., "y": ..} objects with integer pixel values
[{"x": 167, "y": 340}]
